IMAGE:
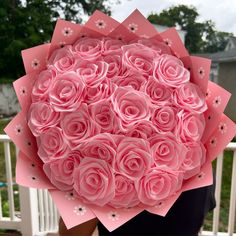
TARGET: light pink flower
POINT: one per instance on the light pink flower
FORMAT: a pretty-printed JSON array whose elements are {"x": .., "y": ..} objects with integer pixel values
[
  {"x": 164, "y": 118},
  {"x": 170, "y": 71},
  {"x": 166, "y": 151},
  {"x": 111, "y": 46},
  {"x": 114, "y": 65},
  {"x": 42, "y": 83},
  {"x": 133, "y": 158},
  {"x": 125, "y": 193},
  {"x": 94, "y": 181},
  {"x": 190, "y": 127},
  {"x": 41, "y": 117},
  {"x": 62, "y": 59},
  {"x": 60, "y": 172},
  {"x": 159, "y": 93},
  {"x": 101, "y": 146},
  {"x": 130, "y": 105},
  {"x": 190, "y": 97},
  {"x": 142, "y": 129},
  {"x": 52, "y": 145},
  {"x": 194, "y": 159},
  {"x": 130, "y": 79},
  {"x": 156, "y": 45},
  {"x": 92, "y": 73},
  {"x": 66, "y": 92},
  {"x": 78, "y": 126},
  {"x": 87, "y": 48},
  {"x": 157, "y": 185},
  {"x": 104, "y": 116},
  {"x": 138, "y": 58}
]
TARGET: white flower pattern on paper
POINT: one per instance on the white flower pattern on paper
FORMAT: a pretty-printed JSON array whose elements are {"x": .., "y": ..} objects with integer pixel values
[
  {"x": 217, "y": 101},
  {"x": 18, "y": 129},
  {"x": 62, "y": 44},
  {"x": 201, "y": 175},
  {"x": 69, "y": 196},
  {"x": 35, "y": 64},
  {"x": 113, "y": 215},
  {"x": 213, "y": 142},
  {"x": 208, "y": 93},
  {"x": 23, "y": 91},
  {"x": 133, "y": 27},
  {"x": 67, "y": 31},
  {"x": 101, "y": 24},
  {"x": 168, "y": 42},
  {"x": 80, "y": 210},
  {"x": 160, "y": 204},
  {"x": 201, "y": 72},
  {"x": 223, "y": 128}
]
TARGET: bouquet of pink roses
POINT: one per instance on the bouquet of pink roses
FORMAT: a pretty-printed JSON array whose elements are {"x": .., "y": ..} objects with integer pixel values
[{"x": 116, "y": 119}]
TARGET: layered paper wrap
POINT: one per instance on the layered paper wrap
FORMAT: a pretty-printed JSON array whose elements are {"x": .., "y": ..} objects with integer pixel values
[{"x": 116, "y": 119}]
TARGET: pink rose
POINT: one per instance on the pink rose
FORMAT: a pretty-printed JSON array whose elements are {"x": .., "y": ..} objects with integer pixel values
[
  {"x": 66, "y": 92},
  {"x": 60, "y": 172},
  {"x": 111, "y": 46},
  {"x": 159, "y": 93},
  {"x": 78, "y": 126},
  {"x": 42, "y": 83},
  {"x": 92, "y": 73},
  {"x": 142, "y": 129},
  {"x": 133, "y": 158},
  {"x": 156, "y": 45},
  {"x": 114, "y": 65},
  {"x": 52, "y": 145},
  {"x": 42, "y": 117},
  {"x": 130, "y": 105},
  {"x": 87, "y": 49},
  {"x": 138, "y": 58},
  {"x": 190, "y": 126},
  {"x": 166, "y": 151},
  {"x": 62, "y": 59},
  {"x": 102, "y": 91},
  {"x": 94, "y": 181},
  {"x": 101, "y": 146},
  {"x": 130, "y": 79},
  {"x": 125, "y": 193},
  {"x": 194, "y": 159},
  {"x": 170, "y": 71},
  {"x": 104, "y": 116},
  {"x": 190, "y": 97},
  {"x": 164, "y": 118},
  {"x": 157, "y": 185}
]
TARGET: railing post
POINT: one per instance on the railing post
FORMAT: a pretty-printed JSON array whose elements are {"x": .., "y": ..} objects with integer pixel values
[{"x": 29, "y": 211}]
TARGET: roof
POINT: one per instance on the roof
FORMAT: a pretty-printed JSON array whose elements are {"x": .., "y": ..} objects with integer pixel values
[{"x": 224, "y": 56}]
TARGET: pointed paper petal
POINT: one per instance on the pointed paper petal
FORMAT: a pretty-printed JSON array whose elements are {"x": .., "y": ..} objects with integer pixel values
[
  {"x": 113, "y": 218},
  {"x": 30, "y": 173},
  {"x": 65, "y": 32},
  {"x": 23, "y": 88},
  {"x": 101, "y": 23},
  {"x": 21, "y": 135},
  {"x": 72, "y": 210},
  {"x": 222, "y": 135},
  {"x": 203, "y": 178},
  {"x": 172, "y": 39},
  {"x": 35, "y": 59},
  {"x": 139, "y": 25}
]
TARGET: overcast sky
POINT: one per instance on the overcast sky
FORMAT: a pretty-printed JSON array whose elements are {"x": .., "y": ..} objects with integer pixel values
[{"x": 222, "y": 12}]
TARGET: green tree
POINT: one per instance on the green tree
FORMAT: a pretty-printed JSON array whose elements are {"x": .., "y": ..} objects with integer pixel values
[
  {"x": 23, "y": 25},
  {"x": 200, "y": 37}
]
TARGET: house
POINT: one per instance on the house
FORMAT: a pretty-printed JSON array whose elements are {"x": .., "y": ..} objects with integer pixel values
[{"x": 223, "y": 72}]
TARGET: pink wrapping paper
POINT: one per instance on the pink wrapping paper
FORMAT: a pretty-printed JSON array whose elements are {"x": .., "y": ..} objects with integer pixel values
[{"x": 218, "y": 132}]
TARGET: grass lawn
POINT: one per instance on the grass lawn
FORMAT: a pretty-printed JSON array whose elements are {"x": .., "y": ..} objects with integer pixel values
[{"x": 225, "y": 192}]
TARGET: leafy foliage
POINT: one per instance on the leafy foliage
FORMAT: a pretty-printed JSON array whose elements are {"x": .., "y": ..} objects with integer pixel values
[{"x": 200, "y": 37}]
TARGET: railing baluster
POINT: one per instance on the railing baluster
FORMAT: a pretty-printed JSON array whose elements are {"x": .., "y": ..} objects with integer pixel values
[
  {"x": 232, "y": 207},
  {"x": 41, "y": 211},
  {"x": 9, "y": 179},
  {"x": 46, "y": 209},
  {"x": 216, "y": 214}
]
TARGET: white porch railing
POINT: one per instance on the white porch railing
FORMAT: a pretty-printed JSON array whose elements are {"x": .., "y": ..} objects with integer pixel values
[{"x": 38, "y": 214}]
